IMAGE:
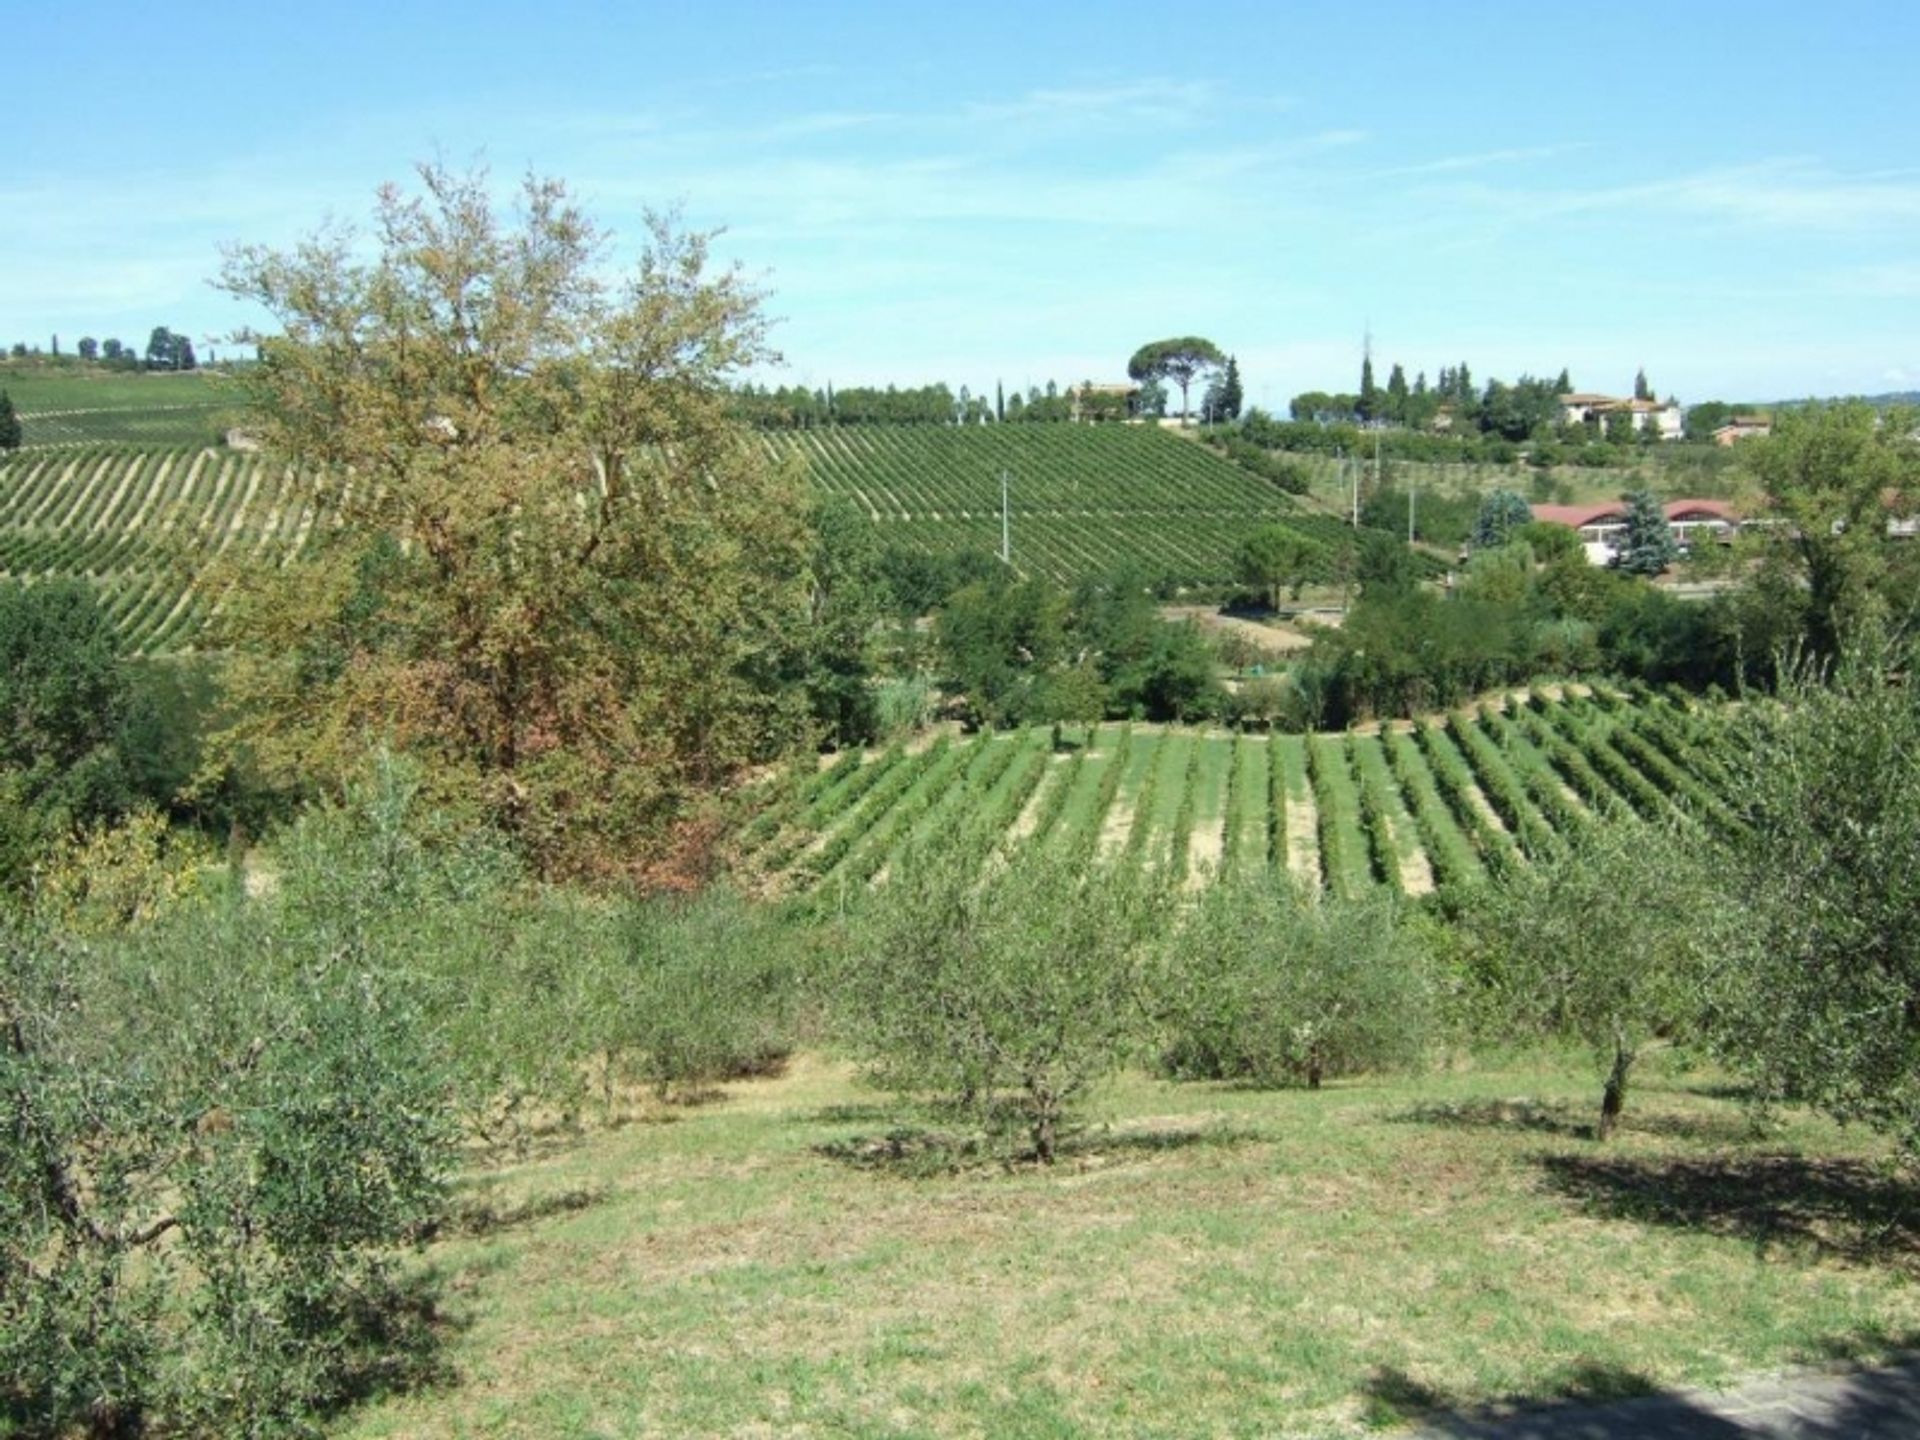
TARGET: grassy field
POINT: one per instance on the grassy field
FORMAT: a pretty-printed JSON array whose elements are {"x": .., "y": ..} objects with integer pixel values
[
  {"x": 1408, "y": 808},
  {"x": 1206, "y": 1260}
]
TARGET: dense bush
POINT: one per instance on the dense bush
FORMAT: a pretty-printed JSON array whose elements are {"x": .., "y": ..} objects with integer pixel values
[
  {"x": 706, "y": 992},
  {"x": 1828, "y": 878},
  {"x": 1273, "y": 987},
  {"x": 224, "y": 1127}
]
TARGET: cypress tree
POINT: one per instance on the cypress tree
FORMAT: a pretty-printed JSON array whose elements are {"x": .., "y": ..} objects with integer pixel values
[
  {"x": 9, "y": 423},
  {"x": 999, "y": 401},
  {"x": 1641, "y": 389},
  {"x": 1397, "y": 394},
  {"x": 1564, "y": 385},
  {"x": 1231, "y": 396},
  {"x": 1369, "y": 392}
]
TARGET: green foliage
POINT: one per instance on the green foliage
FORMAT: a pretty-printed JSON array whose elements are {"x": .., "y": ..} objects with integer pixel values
[
  {"x": 83, "y": 738},
  {"x": 1021, "y": 651},
  {"x": 706, "y": 993},
  {"x": 10, "y": 434},
  {"x": 1272, "y": 987},
  {"x": 1612, "y": 941},
  {"x": 1648, "y": 547},
  {"x": 1833, "y": 475},
  {"x": 226, "y": 1126},
  {"x": 1001, "y": 999},
  {"x": 1501, "y": 513},
  {"x": 1828, "y": 882},
  {"x": 845, "y": 601},
  {"x": 1275, "y": 558},
  {"x": 1181, "y": 360}
]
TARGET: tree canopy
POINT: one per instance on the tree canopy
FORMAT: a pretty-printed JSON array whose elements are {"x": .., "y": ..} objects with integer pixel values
[
  {"x": 562, "y": 579},
  {"x": 1181, "y": 360}
]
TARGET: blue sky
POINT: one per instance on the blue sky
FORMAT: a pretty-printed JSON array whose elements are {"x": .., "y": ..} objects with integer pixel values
[{"x": 1728, "y": 195}]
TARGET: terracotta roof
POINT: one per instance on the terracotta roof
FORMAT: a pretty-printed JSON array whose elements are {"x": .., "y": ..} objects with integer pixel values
[
  {"x": 1583, "y": 398},
  {"x": 1575, "y": 516},
  {"x": 1694, "y": 509}
]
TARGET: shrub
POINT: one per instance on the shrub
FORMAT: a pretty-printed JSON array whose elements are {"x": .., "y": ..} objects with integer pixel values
[
  {"x": 702, "y": 992},
  {"x": 222, "y": 1131},
  {"x": 1266, "y": 985}
]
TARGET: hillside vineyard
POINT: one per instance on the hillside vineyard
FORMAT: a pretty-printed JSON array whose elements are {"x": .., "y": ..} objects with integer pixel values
[
  {"x": 1412, "y": 807},
  {"x": 144, "y": 525}
]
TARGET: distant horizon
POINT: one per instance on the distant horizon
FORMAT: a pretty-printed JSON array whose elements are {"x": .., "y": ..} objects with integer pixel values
[
  {"x": 1723, "y": 197},
  {"x": 782, "y": 379}
]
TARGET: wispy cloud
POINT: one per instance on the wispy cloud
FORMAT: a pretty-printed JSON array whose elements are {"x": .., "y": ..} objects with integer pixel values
[
  {"x": 1774, "y": 194},
  {"x": 1152, "y": 102},
  {"x": 1480, "y": 160}
]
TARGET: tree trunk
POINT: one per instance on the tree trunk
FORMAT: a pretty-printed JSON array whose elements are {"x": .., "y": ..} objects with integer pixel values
[
  {"x": 1316, "y": 1067},
  {"x": 1614, "y": 1099},
  {"x": 1043, "y": 1135}
]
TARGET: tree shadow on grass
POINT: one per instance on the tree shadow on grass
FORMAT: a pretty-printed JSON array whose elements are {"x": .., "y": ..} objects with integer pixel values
[
  {"x": 1390, "y": 1397},
  {"x": 1600, "y": 1402},
  {"x": 916, "y": 1150},
  {"x": 481, "y": 1215},
  {"x": 1849, "y": 1209},
  {"x": 1577, "y": 1121}
]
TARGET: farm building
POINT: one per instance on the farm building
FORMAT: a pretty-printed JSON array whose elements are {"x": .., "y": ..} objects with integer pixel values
[
  {"x": 1600, "y": 527},
  {"x": 1741, "y": 427},
  {"x": 1663, "y": 416}
]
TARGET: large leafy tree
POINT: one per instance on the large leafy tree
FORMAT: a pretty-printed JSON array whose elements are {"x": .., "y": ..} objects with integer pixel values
[
  {"x": 1181, "y": 360},
  {"x": 1832, "y": 475},
  {"x": 1275, "y": 558},
  {"x": 561, "y": 577}
]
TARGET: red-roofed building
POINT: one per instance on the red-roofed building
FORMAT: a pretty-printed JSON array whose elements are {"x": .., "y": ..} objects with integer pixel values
[{"x": 1601, "y": 526}]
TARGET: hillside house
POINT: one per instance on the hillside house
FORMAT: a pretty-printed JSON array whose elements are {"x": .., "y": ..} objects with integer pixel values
[
  {"x": 1602, "y": 527},
  {"x": 1662, "y": 416},
  {"x": 1742, "y": 427}
]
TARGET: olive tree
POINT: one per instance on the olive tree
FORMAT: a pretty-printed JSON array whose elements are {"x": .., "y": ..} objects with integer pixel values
[
  {"x": 1617, "y": 940},
  {"x": 1005, "y": 999},
  {"x": 1270, "y": 985},
  {"x": 1823, "y": 1006}
]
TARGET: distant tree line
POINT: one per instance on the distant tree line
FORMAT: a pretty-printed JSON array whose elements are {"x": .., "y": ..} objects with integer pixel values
[
  {"x": 166, "y": 350},
  {"x": 795, "y": 407}
]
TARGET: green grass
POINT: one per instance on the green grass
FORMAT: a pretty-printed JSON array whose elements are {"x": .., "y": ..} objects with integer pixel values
[{"x": 1209, "y": 1261}]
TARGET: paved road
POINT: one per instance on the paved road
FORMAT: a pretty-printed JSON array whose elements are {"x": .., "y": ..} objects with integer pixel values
[{"x": 1880, "y": 1404}]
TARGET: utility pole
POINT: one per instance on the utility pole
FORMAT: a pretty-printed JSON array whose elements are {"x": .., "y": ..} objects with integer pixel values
[{"x": 1006, "y": 532}]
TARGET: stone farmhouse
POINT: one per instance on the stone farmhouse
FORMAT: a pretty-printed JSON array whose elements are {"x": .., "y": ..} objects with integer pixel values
[{"x": 1662, "y": 415}]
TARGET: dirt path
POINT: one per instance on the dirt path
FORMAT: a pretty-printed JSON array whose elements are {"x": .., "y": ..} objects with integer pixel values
[
  {"x": 1274, "y": 639},
  {"x": 1303, "y": 842}
]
